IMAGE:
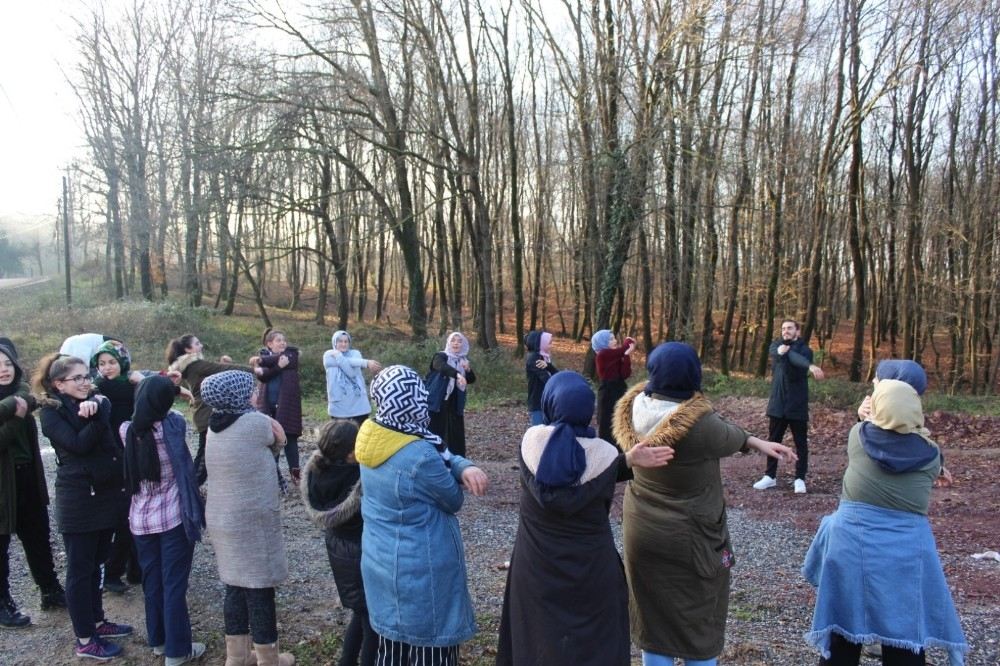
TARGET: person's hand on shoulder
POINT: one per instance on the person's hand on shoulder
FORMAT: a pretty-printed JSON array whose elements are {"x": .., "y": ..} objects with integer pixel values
[
  {"x": 475, "y": 480},
  {"x": 21, "y": 408},
  {"x": 88, "y": 408}
]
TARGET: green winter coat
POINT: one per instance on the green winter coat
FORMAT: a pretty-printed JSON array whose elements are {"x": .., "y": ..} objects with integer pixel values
[{"x": 13, "y": 429}]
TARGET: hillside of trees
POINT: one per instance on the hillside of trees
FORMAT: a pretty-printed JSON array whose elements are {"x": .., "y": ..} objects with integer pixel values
[{"x": 678, "y": 170}]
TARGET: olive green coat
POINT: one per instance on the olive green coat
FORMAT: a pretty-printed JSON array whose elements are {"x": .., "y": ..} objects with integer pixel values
[{"x": 677, "y": 548}]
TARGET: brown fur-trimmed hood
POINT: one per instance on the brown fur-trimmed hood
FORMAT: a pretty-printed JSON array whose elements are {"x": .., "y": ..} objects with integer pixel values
[
  {"x": 672, "y": 426},
  {"x": 336, "y": 515},
  {"x": 183, "y": 361}
]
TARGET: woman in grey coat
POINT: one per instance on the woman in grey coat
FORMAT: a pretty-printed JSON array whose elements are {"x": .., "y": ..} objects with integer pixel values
[{"x": 243, "y": 514}]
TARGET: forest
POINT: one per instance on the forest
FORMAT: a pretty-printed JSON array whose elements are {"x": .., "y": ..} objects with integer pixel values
[{"x": 674, "y": 170}]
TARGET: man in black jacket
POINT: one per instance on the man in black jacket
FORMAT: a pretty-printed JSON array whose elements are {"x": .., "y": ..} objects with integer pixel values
[{"x": 791, "y": 361}]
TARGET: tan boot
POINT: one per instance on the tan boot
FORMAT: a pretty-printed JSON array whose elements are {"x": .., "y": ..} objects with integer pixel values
[
  {"x": 238, "y": 651},
  {"x": 268, "y": 655}
]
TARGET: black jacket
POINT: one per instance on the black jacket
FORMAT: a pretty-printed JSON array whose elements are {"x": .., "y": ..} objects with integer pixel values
[
  {"x": 90, "y": 475},
  {"x": 790, "y": 381},
  {"x": 537, "y": 377}
]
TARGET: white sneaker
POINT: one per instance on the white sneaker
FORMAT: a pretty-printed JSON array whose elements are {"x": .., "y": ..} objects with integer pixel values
[
  {"x": 800, "y": 486},
  {"x": 197, "y": 649},
  {"x": 766, "y": 482}
]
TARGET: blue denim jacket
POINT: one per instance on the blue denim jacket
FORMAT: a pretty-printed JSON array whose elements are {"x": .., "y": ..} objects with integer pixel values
[{"x": 412, "y": 558}]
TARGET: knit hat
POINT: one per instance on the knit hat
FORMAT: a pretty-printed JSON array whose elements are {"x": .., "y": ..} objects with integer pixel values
[
  {"x": 119, "y": 352},
  {"x": 601, "y": 340},
  {"x": 674, "y": 371}
]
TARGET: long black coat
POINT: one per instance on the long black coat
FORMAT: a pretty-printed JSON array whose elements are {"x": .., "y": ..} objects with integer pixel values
[
  {"x": 790, "y": 381},
  {"x": 566, "y": 600},
  {"x": 90, "y": 476}
]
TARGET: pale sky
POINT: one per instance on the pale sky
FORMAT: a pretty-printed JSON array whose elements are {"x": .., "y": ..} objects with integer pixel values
[{"x": 39, "y": 133}]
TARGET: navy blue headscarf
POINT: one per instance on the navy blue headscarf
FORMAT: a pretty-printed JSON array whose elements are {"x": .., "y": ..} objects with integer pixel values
[
  {"x": 674, "y": 371},
  {"x": 904, "y": 370},
  {"x": 567, "y": 404}
]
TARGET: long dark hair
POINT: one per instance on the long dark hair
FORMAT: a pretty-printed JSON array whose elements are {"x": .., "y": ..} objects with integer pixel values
[
  {"x": 336, "y": 441},
  {"x": 178, "y": 347}
]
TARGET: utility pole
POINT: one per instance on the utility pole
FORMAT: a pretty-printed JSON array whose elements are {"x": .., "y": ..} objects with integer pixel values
[{"x": 65, "y": 198}]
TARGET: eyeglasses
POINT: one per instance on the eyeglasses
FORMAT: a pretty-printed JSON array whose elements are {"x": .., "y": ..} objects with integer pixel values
[{"x": 78, "y": 379}]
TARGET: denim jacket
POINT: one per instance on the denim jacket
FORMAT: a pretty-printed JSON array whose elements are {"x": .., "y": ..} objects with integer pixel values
[{"x": 412, "y": 558}]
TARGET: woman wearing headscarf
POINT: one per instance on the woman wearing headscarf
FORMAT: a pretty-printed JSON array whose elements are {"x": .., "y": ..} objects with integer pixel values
[
  {"x": 166, "y": 515},
  {"x": 412, "y": 560},
  {"x": 539, "y": 368},
  {"x": 874, "y": 561},
  {"x": 346, "y": 395},
  {"x": 566, "y": 601},
  {"x": 613, "y": 363},
  {"x": 24, "y": 497},
  {"x": 114, "y": 379},
  {"x": 446, "y": 382},
  {"x": 243, "y": 514},
  {"x": 678, "y": 554}
]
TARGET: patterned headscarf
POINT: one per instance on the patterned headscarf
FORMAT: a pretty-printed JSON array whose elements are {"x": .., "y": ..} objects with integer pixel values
[
  {"x": 119, "y": 352},
  {"x": 401, "y": 404},
  {"x": 674, "y": 371},
  {"x": 601, "y": 340},
  {"x": 228, "y": 394}
]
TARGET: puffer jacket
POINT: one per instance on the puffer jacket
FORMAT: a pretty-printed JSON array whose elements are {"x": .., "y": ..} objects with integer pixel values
[{"x": 332, "y": 497}]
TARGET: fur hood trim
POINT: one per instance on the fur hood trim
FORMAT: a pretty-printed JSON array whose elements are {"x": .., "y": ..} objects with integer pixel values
[
  {"x": 671, "y": 429},
  {"x": 183, "y": 361},
  {"x": 335, "y": 515}
]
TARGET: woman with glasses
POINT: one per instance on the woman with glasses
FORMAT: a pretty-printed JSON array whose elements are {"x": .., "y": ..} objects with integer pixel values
[{"x": 90, "y": 495}]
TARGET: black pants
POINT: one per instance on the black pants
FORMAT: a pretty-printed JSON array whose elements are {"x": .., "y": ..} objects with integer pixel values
[
  {"x": 449, "y": 425},
  {"x": 251, "y": 611},
  {"x": 201, "y": 472},
  {"x": 845, "y": 653},
  {"x": 609, "y": 392},
  {"x": 32, "y": 528},
  {"x": 123, "y": 561},
  {"x": 800, "y": 431},
  {"x": 360, "y": 640},
  {"x": 85, "y": 552}
]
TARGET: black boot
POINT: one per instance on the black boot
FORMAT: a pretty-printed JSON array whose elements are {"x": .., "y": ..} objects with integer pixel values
[
  {"x": 10, "y": 617},
  {"x": 53, "y": 597}
]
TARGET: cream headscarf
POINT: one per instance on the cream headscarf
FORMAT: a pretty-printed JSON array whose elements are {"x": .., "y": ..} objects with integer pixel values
[{"x": 896, "y": 406}]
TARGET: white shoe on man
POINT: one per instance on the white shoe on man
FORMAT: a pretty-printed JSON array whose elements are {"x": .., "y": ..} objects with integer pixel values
[
  {"x": 765, "y": 483},
  {"x": 800, "y": 486}
]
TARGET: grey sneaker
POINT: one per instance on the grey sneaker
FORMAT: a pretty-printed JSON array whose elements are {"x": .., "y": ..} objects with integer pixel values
[{"x": 197, "y": 649}]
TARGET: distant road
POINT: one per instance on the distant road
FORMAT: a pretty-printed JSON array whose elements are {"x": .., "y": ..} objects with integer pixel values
[{"x": 11, "y": 283}]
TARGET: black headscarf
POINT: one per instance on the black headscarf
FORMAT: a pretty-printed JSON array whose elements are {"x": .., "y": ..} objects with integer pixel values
[{"x": 153, "y": 399}]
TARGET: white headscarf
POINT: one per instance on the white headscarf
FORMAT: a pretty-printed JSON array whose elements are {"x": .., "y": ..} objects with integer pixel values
[{"x": 455, "y": 360}]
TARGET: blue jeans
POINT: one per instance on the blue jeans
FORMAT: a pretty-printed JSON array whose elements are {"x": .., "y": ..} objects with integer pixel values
[
  {"x": 536, "y": 417},
  {"x": 165, "y": 559}
]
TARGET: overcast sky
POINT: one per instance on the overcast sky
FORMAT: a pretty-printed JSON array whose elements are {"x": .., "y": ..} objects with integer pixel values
[{"x": 38, "y": 131}]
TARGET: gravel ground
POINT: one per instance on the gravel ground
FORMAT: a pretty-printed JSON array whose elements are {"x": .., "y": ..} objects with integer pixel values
[{"x": 770, "y": 606}]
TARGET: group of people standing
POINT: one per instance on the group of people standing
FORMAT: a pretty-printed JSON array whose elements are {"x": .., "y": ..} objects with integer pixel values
[
  {"x": 386, "y": 488},
  {"x": 567, "y": 600}
]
